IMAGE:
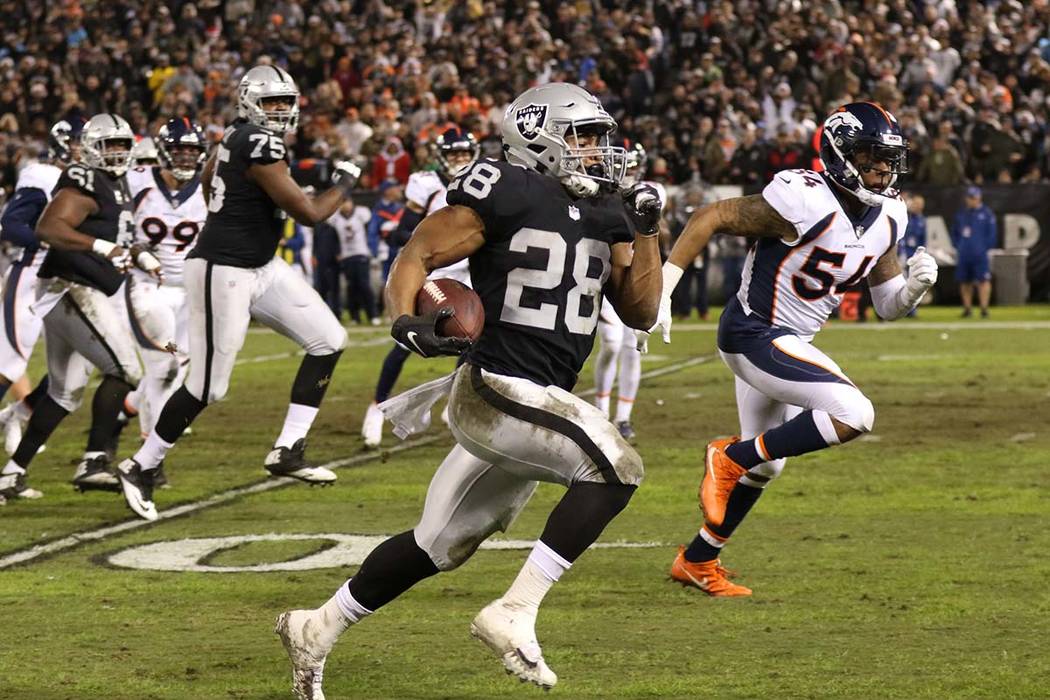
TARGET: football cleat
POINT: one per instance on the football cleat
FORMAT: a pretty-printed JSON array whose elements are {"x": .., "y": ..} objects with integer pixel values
[
  {"x": 291, "y": 461},
  {"x": 137, "y": 485},
  {"x": 627, "y": 431},
  {"x": 160, "y": 479},
  {"x": 300, "y": 639},
  {"x": 511, "y": 634},
  {"x": 720, "y": 476},
  {"x": 372, "y": 428},
  {"x": 709, "y": 576},
  {"x": 94, "y": 474},
  {"x": 14, "y": 486}
]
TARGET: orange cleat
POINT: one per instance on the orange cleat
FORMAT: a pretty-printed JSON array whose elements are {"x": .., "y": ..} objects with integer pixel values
[
  {"x": 709, "y": 576},
  {"x": 720, "y": 476}
]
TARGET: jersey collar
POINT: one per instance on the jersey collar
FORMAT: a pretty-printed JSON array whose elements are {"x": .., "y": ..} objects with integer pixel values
[
  {"x": 181, "y": 196},
  {"x": 860, "y": 223}
]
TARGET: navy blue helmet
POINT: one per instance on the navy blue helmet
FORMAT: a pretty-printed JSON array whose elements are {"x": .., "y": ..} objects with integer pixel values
[
  {"x": 182, "y": 148},
  {"x": 451, "y": 140},
  {"x": 864, "y": 132},
  {"x": 63, "y": 138}
]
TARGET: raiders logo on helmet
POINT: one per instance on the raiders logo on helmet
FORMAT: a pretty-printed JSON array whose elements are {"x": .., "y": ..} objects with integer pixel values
[{"x": 530, "y": 119}]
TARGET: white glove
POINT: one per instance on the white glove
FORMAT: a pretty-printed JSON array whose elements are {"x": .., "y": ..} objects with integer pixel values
[
  {"x": 663, "y": 323},
  {"x": 922, "y": 272},
  {"x": 345, "y": 175}
]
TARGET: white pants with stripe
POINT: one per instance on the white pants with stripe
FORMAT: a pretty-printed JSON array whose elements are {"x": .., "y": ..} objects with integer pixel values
[
  {"x": 511, "y": 434},
  {"x": 20, "y": 328},
  {"x": 223, "y": 299}
]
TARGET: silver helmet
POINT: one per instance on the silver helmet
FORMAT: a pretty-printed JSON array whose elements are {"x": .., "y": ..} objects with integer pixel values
[
  {"x": 106, "y": 143},
  {"x": 537, "y": 127},
  {"x": 266, "y": 83},
  {"x": 144, "y": 152}
]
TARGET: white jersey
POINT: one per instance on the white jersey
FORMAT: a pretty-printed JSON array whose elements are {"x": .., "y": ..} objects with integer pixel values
[
  {"x": 426, "y": 190},
  {"x": 797, "y": 285},
  {"x": 42, "y": 176},
  {"x": 167, "y": 221},
  {"x": 352, "y": 231}
]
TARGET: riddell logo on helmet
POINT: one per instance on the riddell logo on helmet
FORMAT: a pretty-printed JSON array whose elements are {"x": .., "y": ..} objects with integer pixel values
[{"x": 530, "y": 119}]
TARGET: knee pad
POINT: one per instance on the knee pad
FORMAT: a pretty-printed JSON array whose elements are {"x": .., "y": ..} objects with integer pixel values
[
  {"x": 629, "y": 467},
  {"x": 858, "y": 414}
]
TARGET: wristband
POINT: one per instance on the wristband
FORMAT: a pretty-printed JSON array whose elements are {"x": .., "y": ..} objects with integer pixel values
[
  {"x": 103, "y": 247},
  {"x": 671, "y": 276}
]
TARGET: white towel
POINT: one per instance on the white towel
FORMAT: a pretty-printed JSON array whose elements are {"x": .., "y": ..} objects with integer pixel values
[{"x": 410, "y": 411}]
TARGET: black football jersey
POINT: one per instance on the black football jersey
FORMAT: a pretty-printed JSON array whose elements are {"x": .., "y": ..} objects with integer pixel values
[
  {"x": 244, "y": 225},
  {"x": 114, "y": 221},
  {"x": 541, "y": 271}
]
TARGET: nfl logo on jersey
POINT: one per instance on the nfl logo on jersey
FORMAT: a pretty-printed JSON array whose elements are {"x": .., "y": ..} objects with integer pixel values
[{"x": 530, "y": 120}]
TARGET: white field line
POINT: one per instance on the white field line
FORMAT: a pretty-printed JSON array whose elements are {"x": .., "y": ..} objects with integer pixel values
[
  {"x": 95, "y": 535},
  {"x": 891, "y": 327}
]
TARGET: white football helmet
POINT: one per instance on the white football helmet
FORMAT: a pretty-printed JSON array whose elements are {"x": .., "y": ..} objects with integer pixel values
[
  {"x": 144, "y": 153},
  {"x": 263, "y": 83},
  {"x": 106, "y": 143},
  {"x": 535, "y": 130}
]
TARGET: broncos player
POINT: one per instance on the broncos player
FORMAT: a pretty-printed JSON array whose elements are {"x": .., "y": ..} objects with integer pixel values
[
  {"x": 87, "y": 226},
  {"x": 818, "y": 234},
  {"x": 21, "y": 327},
  {"x": 231, "y": 276},
  {"x": 455, "y": 150},
  {"x": 618, "y": 343},
  {"x": 543, "y": 243},
  {"x": 169, "y": 213}
]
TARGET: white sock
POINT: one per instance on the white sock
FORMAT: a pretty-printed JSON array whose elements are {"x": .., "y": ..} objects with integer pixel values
[
  {"x": 296, "y": 424},
  {"x": 22, "y": 410},
  {"x": 542, "y": 569},
  {"x": 604, "y": 374},
  {"x": 152, "y": 452},
  {"x": 623, "y": 409},
  {"x": 629, "y": 379},
  {"x": 339, "y": 612},
  {"x": 12, "y": 468},
  {"x": 602, "y": 402}
]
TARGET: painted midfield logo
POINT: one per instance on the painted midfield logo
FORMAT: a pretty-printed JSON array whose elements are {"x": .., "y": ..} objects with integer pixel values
[{"x": 530, "y": 119}]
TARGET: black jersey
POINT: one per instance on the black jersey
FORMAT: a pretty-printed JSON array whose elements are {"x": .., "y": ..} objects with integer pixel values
[
  {"x": 244, "y": 225},
  {"x": 540, "y": 272},
  {"x": 112, "y": 222}
]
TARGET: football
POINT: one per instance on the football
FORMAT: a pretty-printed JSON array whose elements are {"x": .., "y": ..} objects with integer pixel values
[{"x": 469, "y": 318}]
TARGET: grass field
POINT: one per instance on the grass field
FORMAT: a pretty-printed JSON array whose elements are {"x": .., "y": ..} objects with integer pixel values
[{"x": 910, "y": 564}]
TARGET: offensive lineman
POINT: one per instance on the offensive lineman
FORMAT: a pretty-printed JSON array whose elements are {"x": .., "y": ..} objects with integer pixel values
[
  {"x": 618, "y": 343},
  {"x": 818, "y": 233},
  {"x": 425, "y": 193},
  {"x": 87, "y": 225},
  {"x": 169, "y": 213},
  {"x": 21, "y": 327},
  {"x": 543, "y": 245},
  {"x": 232, "y": 275}
]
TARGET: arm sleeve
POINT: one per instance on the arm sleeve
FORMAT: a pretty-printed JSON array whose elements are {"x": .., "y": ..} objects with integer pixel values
[
  {"x": 20, "y": 217},
  {"x": 783, "y": 195}
]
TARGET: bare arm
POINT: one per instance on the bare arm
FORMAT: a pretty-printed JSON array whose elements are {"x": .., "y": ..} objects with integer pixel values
[
  {"x": 446, "y": 236},
  {"x": 276, "y": 180},
  {"x": 58, "y": 223},
  {"x": 739, "y": 216},
  {"x": 886, "y": 268},
  {"x": 635, "y": 281}
]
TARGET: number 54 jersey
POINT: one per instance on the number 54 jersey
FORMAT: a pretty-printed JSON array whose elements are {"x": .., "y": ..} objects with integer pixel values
[
  {"x": 795, "y": 286},
  {"x": 541, "y": 271},
  {"x": 168, "y": 221}
]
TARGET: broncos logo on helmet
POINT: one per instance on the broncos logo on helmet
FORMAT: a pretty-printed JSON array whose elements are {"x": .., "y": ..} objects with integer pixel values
[
  {"x": 63, "y": 140},
  {"x": 856, "y": 139}
]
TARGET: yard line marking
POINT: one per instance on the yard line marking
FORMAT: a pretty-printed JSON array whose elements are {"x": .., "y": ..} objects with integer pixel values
[
  {"x": 909, "y": 325},
  {"x": 76, "y": 539}
]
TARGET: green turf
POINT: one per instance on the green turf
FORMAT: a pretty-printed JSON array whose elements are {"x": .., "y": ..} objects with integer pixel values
[{"x": 910, "y": 564}]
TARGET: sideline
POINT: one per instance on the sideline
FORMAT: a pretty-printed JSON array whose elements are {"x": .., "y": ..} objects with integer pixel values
[{"x": 76, "y": 539}]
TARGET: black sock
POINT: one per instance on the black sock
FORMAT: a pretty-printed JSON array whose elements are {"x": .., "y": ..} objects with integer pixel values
[
  {"x": 313, "y": 378},
  {"x": 582, "y": 514},
  {"x": 741, "y": 499},
  {"x": 105, "y": 411},
  {"x": 40, "y": 391},
  {"x": 46, "y": 417},
  {"x": 392, "y": 364},
  {"x": 389, "y": 570},
  {"x": 180, "y": 410}
]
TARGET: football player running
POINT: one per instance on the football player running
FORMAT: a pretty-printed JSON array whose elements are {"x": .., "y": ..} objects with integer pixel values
[
  {"x": 169, "y": 213},
  {"x": 819, "y": 233},
  {"x": 455, "y": 150},
  {"x": 232, "y": 276},
  {"x": 543, "y": 243},
  {"x": 87, "y": 226},
  {"x": 617, "y": 349},
  {"x": 20, "y": 326}
]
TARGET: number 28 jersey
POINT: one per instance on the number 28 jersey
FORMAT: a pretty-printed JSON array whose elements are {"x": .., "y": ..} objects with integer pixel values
[
  {"x": 166, "y": 221},
  {"x": 540, "y": 272},
  {"x": 795, "y": 286},
  {"x": 244, "y": 225}
]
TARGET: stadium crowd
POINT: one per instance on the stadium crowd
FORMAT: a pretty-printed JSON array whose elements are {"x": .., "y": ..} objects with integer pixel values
[{"x": 717, "y": 92}]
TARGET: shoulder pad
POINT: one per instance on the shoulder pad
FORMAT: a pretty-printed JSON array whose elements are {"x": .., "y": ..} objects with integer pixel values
[
  {"x": 791, "y": 193},
  {"x": 82, "y": 178},
  {"x": 139, "y": 179}
]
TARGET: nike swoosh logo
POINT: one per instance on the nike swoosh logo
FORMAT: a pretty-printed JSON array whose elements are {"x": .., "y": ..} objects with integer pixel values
[
  {"x": 700, "y": 583},
  {"x": 784, "y": 179},
  {"x": 411, "y": 337}
]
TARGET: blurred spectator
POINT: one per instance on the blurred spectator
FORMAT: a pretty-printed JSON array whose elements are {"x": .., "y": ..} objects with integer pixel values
[
  {"x": 392, "y": 163},
  {"x": 785, "y": 154},
  {"x": 326, "y": 265},
  {"x": 973, "y": 234},
  {"x": 748, "y": 165},
  {"x": 942, "y": 165},
  {"x": 691, "y": 292},
  {"x": 385, "y": 217},
  {"x": 914, "y": 236},
  {"x": 355, "y": 258}
]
